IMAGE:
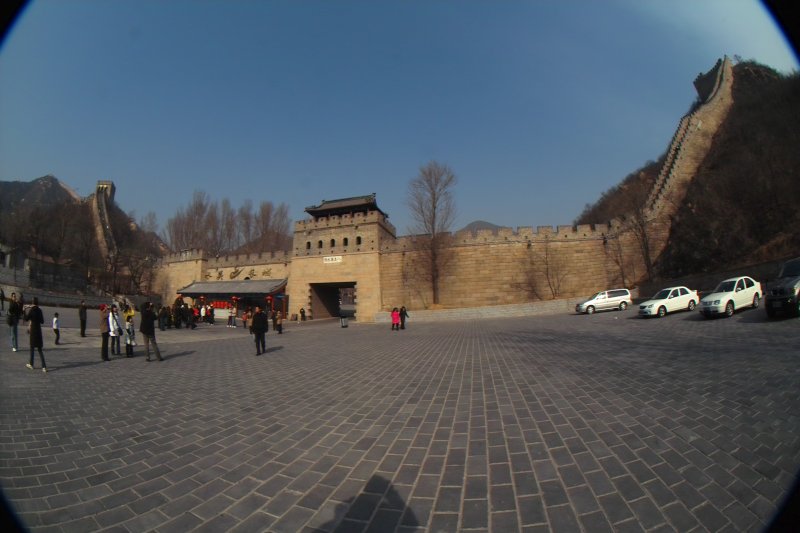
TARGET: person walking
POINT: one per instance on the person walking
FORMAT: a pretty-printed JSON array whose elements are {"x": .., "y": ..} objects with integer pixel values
[
  {"x": 14, "y": 315},
  {"x": 104, "y": 332},
  {"x": 403, "y": 316},
  {"x": 56, "y": 329},
  {"x": 259, "y": 325},
  {"x": 395, "y": 319},
  {"x": 115, "y": 331},
  {"x": 35, "y": 318},
  {"x": 148, "y": 330},
  {"x": 2, "y": 300},
  {"x": 279, "y": 322},
  {"x": 82, "y": 317}
]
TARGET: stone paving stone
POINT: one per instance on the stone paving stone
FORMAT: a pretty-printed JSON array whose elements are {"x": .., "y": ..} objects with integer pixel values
[{"x": 533, "y": 424}]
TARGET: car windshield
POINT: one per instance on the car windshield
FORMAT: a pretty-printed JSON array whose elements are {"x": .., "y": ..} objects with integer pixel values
[
  {"x": 726, "y": 286},
  {"x": 661, "y": 295},
  {"x": 790, "y": 269}
]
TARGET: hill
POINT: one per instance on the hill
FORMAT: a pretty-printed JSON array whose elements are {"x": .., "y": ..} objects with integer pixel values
[{"x": 46, "y": 191}]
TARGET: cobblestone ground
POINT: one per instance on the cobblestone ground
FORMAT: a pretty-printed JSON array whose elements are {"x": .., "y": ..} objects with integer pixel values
[{"x": 561, "y": 423}]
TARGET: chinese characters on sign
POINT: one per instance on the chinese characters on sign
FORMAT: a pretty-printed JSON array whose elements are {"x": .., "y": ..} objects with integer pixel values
[{"x": 332, "y": 259}]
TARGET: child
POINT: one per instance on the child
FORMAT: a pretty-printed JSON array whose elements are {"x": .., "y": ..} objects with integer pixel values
[
  {"x": 56, "y": 328},
  {"x": 130, "y": 336},
  {"x": 395, "y": 319}
]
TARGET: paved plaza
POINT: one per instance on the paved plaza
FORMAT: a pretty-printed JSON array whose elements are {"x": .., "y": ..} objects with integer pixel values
[{"x": 547, "y": 423}]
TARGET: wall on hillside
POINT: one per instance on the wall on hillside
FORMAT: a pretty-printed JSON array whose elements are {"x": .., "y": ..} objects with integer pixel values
[{"x": 486, "y": 268}]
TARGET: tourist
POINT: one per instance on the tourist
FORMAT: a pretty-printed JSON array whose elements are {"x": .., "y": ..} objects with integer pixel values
[
  {"x": 148, "y": 330},
  {"x": 56, "y": 329},
  {"x": 259, "y": 325},
  {"x": 395, "y": 319},
  {"x": 279, "y": 322},
  {"x": 82, "y": 317},
  {"x": 115, "y": 331},
  {"x": 35, "y": 318},
  {"x": 302, "y": 314},
  {"x": 2, "y": 300},
  {"x": 130, "y": 336},
  {"x": 403, "y": 316},
  {"x": 14, "y": 315},
  {"x": 104, "y": 332}
]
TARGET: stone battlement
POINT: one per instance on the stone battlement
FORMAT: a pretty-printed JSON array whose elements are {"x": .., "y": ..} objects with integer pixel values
[
  {"x": 260, "y": 258},
  {"x": 522, "y": 234},
  {"x": 343, "y": 220}
]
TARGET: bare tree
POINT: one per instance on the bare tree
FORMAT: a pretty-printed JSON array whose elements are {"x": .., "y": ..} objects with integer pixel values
[
  {"x": 430, "y": 197},
  {"x": 544, "y": 271}
]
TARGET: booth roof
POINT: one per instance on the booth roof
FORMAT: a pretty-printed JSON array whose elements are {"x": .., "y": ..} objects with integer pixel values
[{"x": 231, "y": 288}]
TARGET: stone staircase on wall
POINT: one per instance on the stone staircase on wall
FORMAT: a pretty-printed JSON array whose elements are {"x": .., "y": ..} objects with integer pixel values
[
  {"x": 691, "y": 143},
  {"x": 102, "y": 224}
]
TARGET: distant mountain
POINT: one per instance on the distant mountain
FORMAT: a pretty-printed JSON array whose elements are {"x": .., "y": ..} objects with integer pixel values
[
  {"x": 480, "y": 225},
  {"x": 46, "y": 191}
]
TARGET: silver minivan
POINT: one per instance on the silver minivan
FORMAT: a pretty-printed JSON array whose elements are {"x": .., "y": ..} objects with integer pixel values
[{"x": 603, "y": 300}]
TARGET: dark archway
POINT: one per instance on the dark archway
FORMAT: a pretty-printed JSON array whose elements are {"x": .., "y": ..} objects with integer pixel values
[{"x": 333, "y": 299}]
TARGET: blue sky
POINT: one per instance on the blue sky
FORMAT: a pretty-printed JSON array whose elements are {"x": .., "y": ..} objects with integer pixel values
[{"x": 537, "y": 106}]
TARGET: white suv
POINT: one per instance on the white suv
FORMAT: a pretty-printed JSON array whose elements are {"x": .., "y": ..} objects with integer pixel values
[{"x": 611, "y": 299}]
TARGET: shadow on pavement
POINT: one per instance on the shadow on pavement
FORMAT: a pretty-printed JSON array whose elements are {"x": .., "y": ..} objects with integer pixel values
[{"x": 379, "y": 507}]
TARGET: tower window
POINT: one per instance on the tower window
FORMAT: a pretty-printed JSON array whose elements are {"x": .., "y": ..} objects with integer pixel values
[
  {"x": 319, "y": 244},
  {"x": 358, "y": 241},
  {"x": 344, "y": 241},
  {"x": 333, "y": 243}
]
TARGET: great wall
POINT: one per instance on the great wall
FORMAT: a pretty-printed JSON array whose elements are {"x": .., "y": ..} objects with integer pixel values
[{"x": 487, "y": 268}]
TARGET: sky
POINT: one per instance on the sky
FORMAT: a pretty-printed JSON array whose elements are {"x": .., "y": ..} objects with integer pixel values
[{"x": 537, "y": 106}]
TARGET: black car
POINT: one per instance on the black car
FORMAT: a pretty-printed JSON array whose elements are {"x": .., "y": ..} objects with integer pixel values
[{"x": 782, "y": 293}]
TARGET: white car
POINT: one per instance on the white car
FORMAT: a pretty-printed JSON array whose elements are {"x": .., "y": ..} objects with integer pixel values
[
  {"x": 730, "y": 295},
  {"x": 669, "y": 300}
]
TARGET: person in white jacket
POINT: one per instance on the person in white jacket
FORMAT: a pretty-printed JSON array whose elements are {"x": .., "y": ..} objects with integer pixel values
[{"x": 115, "y": 331}]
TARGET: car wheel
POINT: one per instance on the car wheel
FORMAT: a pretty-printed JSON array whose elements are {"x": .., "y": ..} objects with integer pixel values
[
  {"x": 623, "y": 306},
  {"x": 590, "y": 310},
  {"x": 691, "y": 305},
  {"x": 662, "y": 311},
  {"x": 729, "y": 309},
  {"x": 756, "y": 301}
]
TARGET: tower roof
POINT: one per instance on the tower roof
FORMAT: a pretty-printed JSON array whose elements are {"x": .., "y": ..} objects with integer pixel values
[{"x": 344, "y": 206}]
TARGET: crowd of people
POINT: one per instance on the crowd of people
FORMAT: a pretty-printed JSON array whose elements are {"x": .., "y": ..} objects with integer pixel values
[{"x": 117, "y": 324}]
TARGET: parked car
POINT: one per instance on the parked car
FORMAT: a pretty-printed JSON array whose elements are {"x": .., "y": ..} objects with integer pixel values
[
  {"x": 604, "y": 300},
  {"x": 783, "y": 294},
  {"x": 669, "y": 300},
  {"x": 730, "y": 295}
]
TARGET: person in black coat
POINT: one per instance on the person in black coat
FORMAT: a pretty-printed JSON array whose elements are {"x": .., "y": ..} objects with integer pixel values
[
  {"x": 148, "y": 330},
  {"x": 260, "y": 326},
  {"x": 35, "y": 318},
  {"x": 82, "y": 317}
]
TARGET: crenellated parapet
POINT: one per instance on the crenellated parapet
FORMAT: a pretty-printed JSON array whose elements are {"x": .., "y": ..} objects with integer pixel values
[
  {"x": 522, "y": 235},
  {"x": 352, "y": 219},
  {"x": 190, "y": 254},
  {"x": 260, "y": 258}
]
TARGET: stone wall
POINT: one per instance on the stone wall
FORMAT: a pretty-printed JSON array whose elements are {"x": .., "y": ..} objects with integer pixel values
[
  {"x": 513, "y": 268},
  {"x": 487, "y": 268}
]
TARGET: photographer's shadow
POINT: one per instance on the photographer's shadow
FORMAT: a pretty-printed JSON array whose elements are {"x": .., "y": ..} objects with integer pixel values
[{"x": 379, "y": 507}]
